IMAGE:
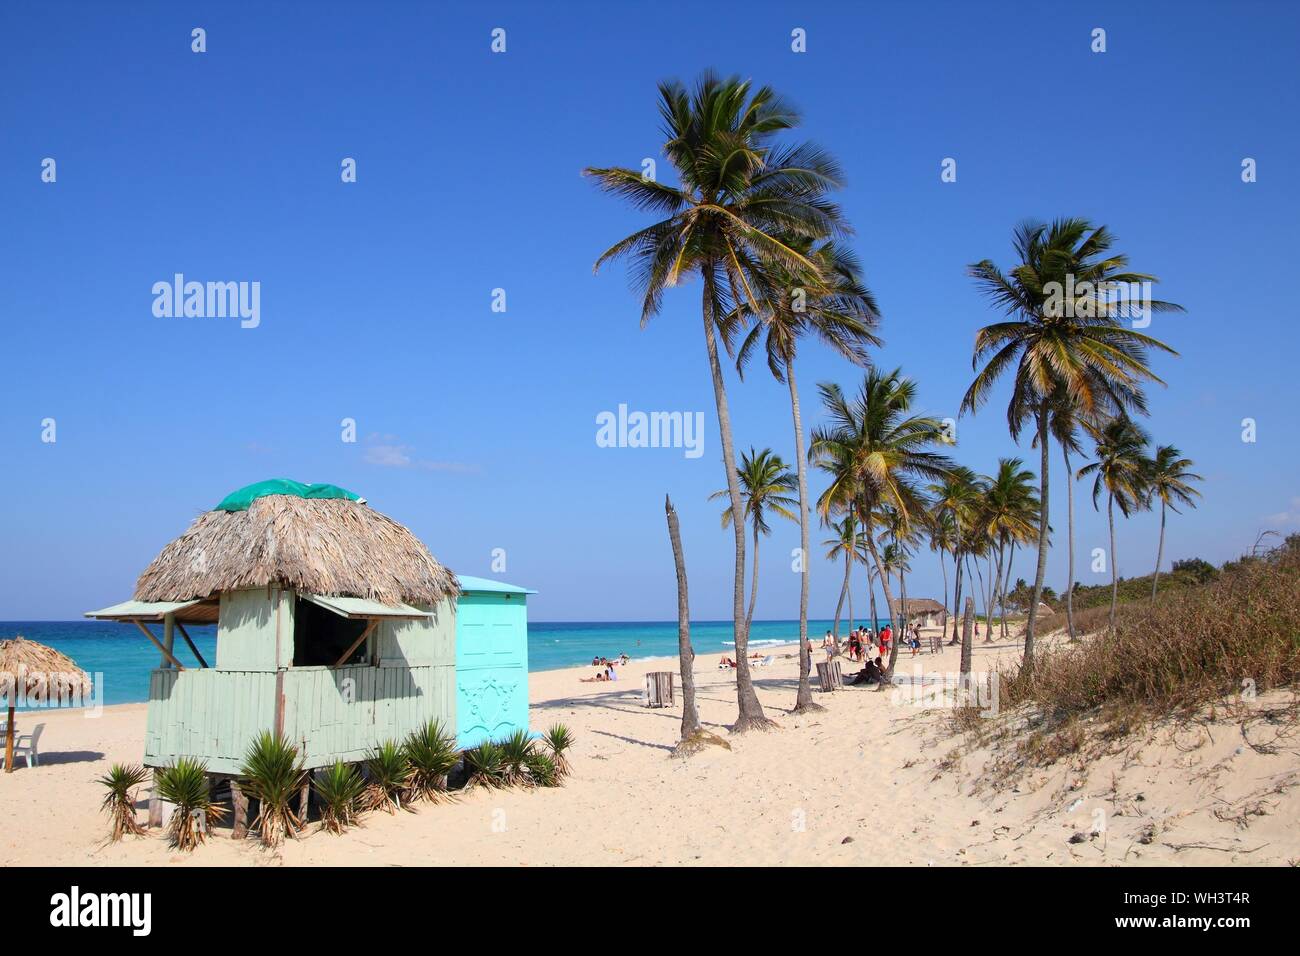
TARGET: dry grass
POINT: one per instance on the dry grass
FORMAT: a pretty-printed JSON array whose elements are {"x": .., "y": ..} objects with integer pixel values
[
  {"x": 320, "y": 546},
  {"x": 1226, "y": 640}
]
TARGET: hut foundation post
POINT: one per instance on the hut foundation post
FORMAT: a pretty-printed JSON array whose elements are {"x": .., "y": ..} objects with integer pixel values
[
  {"x": 169, "y": 640},
  {"x": 304, "y": 798},
  {"x": 239, "y": 800},
  {"x": 9, "y": 739},
  {"x": 160, "y": 810}
]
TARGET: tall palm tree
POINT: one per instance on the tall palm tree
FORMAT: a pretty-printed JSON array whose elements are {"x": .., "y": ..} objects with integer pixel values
[
  {"x": 846, "y": 543},
  {"x": 765, "y": 486},
  {"x": 1169, "y": 478},
  {"x": 875, "y": 451},
  {"x": 901, "y": 533},
  {"x": 1079, "y": 345},
  {"x": 738, "y": 194},
  {"x": 835, "y": 306},
  {"x": 1009, "y": 514},
  {"x": 942, "y": 532},
  {"x": 957, "y": 496},
  {"x": 1121, "y": 469}
]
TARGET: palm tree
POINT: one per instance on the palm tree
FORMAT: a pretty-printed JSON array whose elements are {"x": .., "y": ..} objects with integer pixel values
[
  {"x": 765, "y": 483},
  {"x": 836, "y": 306},
  {"x": 847, "y": 543},
  {"x": 957, "y": 496},
  {"x": 1078, "y": 345},
  {"x": 875, "y": 451},
  {"x": 738, "y": 194},
  {"x": 902, "y": 533},
  {"x": 1121, "y": 469},
  {"x": 1169, "y": 479},
  {"x": 942, "y": 531},
  {"x": 1009, "y": 513}
]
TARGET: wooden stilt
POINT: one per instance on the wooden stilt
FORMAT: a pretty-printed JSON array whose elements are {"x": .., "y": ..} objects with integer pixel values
[
  {"x": 304, "y": 798},
  {"x": 9, "y": 738},
  {"x": 239, "y": 829}
]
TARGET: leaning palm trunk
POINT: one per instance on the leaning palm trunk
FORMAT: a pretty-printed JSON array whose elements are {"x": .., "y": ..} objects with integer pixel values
[
  {"x": 889, "y": 600},
  {"x": 685, "y": 653},
  {"x": 1041, "y": 573},
  {"x": 1006, "y": 585},
  {"x": 839, "y": 607},
  {"x": 1069, "y": 585},
  {"x": 956, "y": 596},
  {"x": 750, "y": 711},
  {"x": 943, "y": 566},
  {"x": 753, "y": 585},
  {"x": 1160, "y": 552},
  {"x": 803, "y": 698},
  {"x": 1114, "y": 565}
]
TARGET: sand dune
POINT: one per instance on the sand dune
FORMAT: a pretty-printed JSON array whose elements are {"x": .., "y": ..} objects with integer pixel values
[{"x": 872, "y": 779}]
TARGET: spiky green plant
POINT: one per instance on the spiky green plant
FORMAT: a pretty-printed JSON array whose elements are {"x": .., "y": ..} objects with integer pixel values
[
  {"x": 542, "y": 770},
  {"x": 388, "y": 773},
  {"x": 558, "y": 740},
  {"x": 119, "y": 802},
  {"x": 431, "y": 752},
  {"x": 275, "y": 777},
  {"x": 340, "y": 789},
  {"x": 185, "y": 785},
  {"x": 515, "y": 751},
  {"x": 486, "y": 766}
]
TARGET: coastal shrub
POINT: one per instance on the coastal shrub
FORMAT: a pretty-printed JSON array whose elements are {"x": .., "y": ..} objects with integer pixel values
[
  {"x": 431, "y": 753},
  {"x": 1228, "y": 638},
  {"x": 558, "y": 740},
  {"x": 515, "y": 751},
  {"x": 486, "y": 766},
  {"x": 275, "y": 776},
  {"x": 542, "y": 771},
  {"x": 121, "y": 782},
  {"x": 339, "y": 789},
  {"x": 185, "y": 785},
  {"x": 388, "y": 773}
]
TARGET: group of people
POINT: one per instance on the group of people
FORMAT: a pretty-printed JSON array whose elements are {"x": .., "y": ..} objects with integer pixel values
[
  {"x": 865, "y": 645},
  {"x": 606, "y": 670}
]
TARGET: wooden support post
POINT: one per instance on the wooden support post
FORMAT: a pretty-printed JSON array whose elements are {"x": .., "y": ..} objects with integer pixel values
[
  {"x": 238, "y": 799},
  {"x": 194, "y": 650},
  {"x": 158, "y": 644},
  {"x": 10, "y": 730},
  {"x": 357, "y": 643},
  {"x": 169, "y": 638},
  {"x": 304, "y": 799}
]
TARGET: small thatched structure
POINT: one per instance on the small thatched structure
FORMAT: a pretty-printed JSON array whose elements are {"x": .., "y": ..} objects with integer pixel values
[
  {"x": 319, "y": 546},
  {"x": 33, "y": 670},
  {"x": 924, "y": 612}
]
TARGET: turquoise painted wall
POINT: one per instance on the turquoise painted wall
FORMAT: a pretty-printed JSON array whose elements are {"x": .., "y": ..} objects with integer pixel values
[{"x": 491, "y": 666}]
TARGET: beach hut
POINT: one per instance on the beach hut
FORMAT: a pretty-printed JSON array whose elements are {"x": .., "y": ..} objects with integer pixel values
[
  {"x": 335, "y": 627},
  {"x": 923, "y": 612},
  {"x": 491, "y": 660}
]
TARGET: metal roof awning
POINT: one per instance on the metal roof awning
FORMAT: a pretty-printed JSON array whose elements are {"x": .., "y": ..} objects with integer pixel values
[
  {"x": 197, "y": 611},
  {"x": 363, "y": 608},
  {"x": 471, "y": 584}
]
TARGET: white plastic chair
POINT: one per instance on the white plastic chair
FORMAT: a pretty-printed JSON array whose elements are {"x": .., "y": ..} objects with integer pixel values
[{"x": 28, "y": 749}]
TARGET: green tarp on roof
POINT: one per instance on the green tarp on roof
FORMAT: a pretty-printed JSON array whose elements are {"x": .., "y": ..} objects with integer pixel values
[{"x": 241, "y": 499}]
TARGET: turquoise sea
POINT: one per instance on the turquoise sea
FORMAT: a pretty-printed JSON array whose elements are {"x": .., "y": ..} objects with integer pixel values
[{"x": 124, "y": 657}]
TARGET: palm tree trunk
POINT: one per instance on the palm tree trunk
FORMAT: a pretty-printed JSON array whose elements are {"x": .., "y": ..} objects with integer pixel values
[
  {"x": 685, "y": 653},
  {"x": 753, "y": 586},
  {"x": 1160, "y": 551},
  {"x": 979, "y": 575},
  {"x": 956, "y": 597},
  {"x": 1041, "y": 572},
  {"x": 844, "y": 589},
  {"x": 1006, "y": 586},
  {"x": 988, "y": 594},
  {"x": 750, "y": 710},
  {"x": 1069, "y": 585},
  {"x": 803, "y": 699},
  {"x": 1114, "y": 565},
  {"x": 889, "y": 598},
  {"x": 943, "y": 566},
  {"x": 871, "y": 586}
]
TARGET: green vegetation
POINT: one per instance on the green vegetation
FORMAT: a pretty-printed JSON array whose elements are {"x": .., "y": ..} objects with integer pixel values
[
  {"x": 121, "y": 781},
  {"x": 185, "y": 786},
  {"x": 274, "y": 777},
  {"x": 339, "y": 790},
  {"x": 431, "y": 753}
]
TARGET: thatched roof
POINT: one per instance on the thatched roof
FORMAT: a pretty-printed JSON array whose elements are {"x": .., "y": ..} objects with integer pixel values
[
  {"x": 321, "y": 546},
  {"x": 39, "y": 671},
  {"x": 920, "y": 606}
]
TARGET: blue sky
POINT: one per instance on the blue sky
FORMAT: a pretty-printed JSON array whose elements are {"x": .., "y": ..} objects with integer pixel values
[{"x": 477, "y": 428}]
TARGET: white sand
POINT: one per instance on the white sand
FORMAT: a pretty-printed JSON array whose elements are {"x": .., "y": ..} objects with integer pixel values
[{"x": 867, "y": 781}]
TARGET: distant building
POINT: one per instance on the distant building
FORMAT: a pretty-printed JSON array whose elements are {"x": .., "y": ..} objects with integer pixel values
[{"x": 923, "y": 612}]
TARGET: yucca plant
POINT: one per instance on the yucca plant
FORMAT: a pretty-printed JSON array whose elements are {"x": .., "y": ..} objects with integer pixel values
[
  {"x": 431, "y": 752},
  {"x": 119, "y": 802},
  {"x": 339, "y": 790},
  {"x": 185, "y": 785},
  {"x": 275, "y": 777},
  {"x": 388, "y": 772},
  {"x": 486, "y": 766},
  {"x": 542, "y": 769},
  {"x": 558, "y": 740},
  {"x": 515, "y": 751}
]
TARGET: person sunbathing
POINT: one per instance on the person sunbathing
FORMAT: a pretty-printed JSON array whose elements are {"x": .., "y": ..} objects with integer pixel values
[
  {"x": 726, "y": 662},
  {"x": 600, "y": 676}
]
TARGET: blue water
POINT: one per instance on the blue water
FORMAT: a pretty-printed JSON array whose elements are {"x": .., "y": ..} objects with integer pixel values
[{"x": 125, "y": 657}]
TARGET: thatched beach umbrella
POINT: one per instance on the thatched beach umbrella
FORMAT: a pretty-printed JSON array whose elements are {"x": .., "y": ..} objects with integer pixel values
[{"x": 34, "y": 670}]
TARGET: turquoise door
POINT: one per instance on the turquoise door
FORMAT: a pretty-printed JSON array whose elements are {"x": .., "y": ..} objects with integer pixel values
[{"x": 491, "y": 667}]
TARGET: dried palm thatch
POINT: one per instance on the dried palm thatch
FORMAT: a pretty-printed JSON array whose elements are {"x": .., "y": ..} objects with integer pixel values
[
  {"x": 33, "y": 670},
  {"x": 320, "y": 546}
]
